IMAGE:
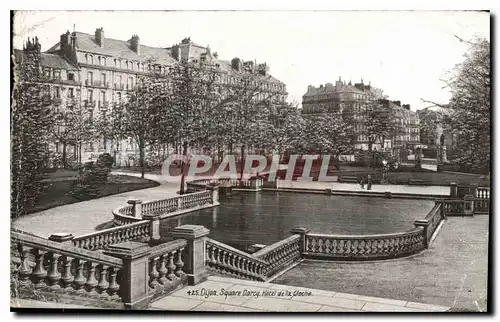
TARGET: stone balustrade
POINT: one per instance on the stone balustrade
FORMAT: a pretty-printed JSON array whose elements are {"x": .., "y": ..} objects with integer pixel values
[
  {"x": 124, "y": 216},
  {"x": 483, "y": 193},
  {"x": 104, "y": 238},
  {"x": 197, "y": 199},
  {"x": 454, "y": 207},
  {"x": 226, "y": 260},
  {"x": 61, "y": 269},
  {"x": 160, "y": 206},
  {"x": 280, "y": 255},
  {"x": 166, "y": 267},
  {"x": 364, "y": 247}
]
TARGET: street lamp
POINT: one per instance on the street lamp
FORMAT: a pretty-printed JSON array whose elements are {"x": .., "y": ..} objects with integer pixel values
[{"x": 384, "y": 162}]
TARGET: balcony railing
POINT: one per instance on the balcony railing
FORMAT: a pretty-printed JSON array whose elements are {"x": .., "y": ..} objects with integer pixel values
[
  {"x": 103, "y": 105},
  {"x": 89, "y": 103},
  {"x": 96, "y": 83},
  {"x": 58, "y": 80},
  {"x": 120, "y": 86}
]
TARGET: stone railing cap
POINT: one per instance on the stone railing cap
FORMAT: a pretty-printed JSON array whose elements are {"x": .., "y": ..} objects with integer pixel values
[
  {"x": 59, "y": 237},
  {"x": 128, "y": 249},
  {"x": 134, "y": 201},
  {"x": 190, "y": 231},
  {"x": 421, "y": 222},
  {"x": 300, "y": 230}
]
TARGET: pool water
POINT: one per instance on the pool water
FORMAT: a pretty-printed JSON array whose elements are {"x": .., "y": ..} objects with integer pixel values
[{"x": 247, "y": 218}]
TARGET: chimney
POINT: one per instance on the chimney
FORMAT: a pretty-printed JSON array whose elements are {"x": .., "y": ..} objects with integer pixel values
[
  {"x": 236, "y": 64},
  {"x": 99, "y": 37},
  {"x": 135, "y": 44},
  {"x": 310, "y": 88},
  {"x": 406, "y": 106}
]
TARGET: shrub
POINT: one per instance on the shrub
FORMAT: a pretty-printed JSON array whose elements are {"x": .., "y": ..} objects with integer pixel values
[
  {"x": 83, "y": 191},
  {"x": 105, "y": 160}
]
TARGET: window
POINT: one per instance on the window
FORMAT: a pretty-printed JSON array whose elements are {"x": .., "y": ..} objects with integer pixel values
[
  {"x": 99, "y": 60},
  {"x": 102, "y": 96},
  {"x": 103, "y": 79},
  {"x": 71, "y": 93},
  {"x": 90, "y": 95},
  {"x": 116, "y": 63},
  {"x": 119, "y": 97},
  {"x": 57, "y": 74},
  {"x": 46, "y": 72},
  {"x": 138, "y": 66},
  {"x": 126, "y": 64},
  {"x": 119, "y": 80},
  {"x": 130, "y": 83},
  {"x": 57, "y": 93},
  {"x": 103, "y": 61},
  {"x": 91, "y": 59},
  {"x": 90, "y": 77}
]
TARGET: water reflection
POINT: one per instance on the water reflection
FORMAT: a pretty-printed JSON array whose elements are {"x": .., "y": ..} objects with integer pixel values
[{"x": 247, "y": 218}]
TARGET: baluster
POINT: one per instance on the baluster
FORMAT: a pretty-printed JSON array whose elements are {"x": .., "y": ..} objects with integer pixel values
[
  {"x": 79, "y": 280},
  {"x": 153, "y": 275},
  {"x": 24, "y": 268},
  {"x": 179, "y": 264},
  {"x": 67, "y": 277},
  {"x": 39, "y": 273},
  {"x": 103, "y": 284},
  {"x": 163, "y": 270},
  {"x": 91, "y": 280},
  {"x": 171, "y": 267},
  {"x": 54, "y": 274},
  {"x": 113, "y": 285}
]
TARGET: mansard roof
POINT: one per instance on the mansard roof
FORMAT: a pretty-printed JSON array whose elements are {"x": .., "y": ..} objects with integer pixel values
[{"x": 48, "y": 60}]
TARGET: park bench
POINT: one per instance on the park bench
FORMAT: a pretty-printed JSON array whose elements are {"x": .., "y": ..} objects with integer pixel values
[{"x": 348, "y": 179}]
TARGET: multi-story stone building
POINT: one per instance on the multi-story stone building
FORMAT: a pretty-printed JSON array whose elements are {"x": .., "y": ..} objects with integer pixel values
[
  {"x": 98, "y": 72},
  {"x": 331, "y": 98}
]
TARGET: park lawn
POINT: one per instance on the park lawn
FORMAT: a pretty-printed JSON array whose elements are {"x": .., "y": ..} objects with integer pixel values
[{"x": 57, "y": 187}]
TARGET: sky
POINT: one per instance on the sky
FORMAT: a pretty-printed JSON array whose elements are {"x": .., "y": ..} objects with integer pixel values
[{"x": 405, "y": 53}]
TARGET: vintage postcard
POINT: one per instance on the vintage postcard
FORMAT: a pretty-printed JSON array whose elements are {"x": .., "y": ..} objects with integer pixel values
[{"x": 250, "y": 161}]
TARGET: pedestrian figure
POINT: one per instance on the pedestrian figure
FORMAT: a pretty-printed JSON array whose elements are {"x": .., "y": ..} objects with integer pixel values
[
  {"x": 369, "y": 184},
  {"x": 362, "y": 182}
]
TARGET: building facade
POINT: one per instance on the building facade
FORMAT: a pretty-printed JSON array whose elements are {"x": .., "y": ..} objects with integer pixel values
[
  {"x": 99, "y": 72},
  {"x": 436, "y": 131},
  {"x": 331, "y": 98}
]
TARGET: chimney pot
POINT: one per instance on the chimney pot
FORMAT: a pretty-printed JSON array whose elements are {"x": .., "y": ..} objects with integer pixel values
[{"x": 99, "y": 36}]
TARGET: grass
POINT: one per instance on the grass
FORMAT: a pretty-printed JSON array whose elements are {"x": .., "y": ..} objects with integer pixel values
[{"x": 58, "y": 185}]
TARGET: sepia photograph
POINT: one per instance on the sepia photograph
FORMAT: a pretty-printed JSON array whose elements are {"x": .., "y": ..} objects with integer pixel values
[{"x": 250, "y": 161}]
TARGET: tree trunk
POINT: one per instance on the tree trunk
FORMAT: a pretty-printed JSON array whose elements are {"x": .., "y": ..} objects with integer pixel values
[
  {"x": 183, "y": 172},
  {"x": 242, "y": 160},
  {"x": 64, "y": 156},
  {"x": 80, "y": 154},
  {"x": 141, "y": 156}
]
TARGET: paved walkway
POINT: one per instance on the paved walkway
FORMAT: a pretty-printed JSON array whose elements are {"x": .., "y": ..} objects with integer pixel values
[
  {"x": 432, "y": 190},
  {"x": 452, "y": 272},
  {"x": 83, "y": 217},
  {"x": 248, "y": 296}
]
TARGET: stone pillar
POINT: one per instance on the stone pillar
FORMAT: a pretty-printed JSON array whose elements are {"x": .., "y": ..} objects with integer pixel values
[
  {"x": 154, "y": 222},
  {"x": 134, "y": 288},
  {"x": 137, "y": 207},
  {"x": 215, "y": 193},
  {"x": 468, "y": 205},
  {"x": 256, "y": 183},
  {"x": 195, "y": 261},
  {"x": 65, "y": 238},
  {"x": 424, "y": 223},
  {"x": 454, "y": 189},
  {"x": 302, "y": 231}
]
